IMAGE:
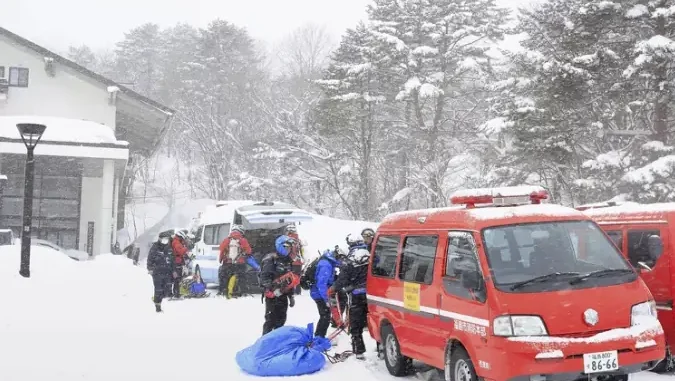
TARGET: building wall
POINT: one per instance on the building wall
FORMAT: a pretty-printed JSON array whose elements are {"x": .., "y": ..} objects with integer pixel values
[{"x": 64, "y": 95}]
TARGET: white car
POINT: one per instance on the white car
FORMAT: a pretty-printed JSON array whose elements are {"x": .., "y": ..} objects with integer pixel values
[{"x": 73, "y": 254}]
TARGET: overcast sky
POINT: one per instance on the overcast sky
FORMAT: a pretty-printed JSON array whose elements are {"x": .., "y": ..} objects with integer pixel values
[{"x": 100, "y": 23}]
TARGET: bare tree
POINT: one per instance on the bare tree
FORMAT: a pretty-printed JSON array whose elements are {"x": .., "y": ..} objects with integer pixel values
[{"x": 305, "y": 52}]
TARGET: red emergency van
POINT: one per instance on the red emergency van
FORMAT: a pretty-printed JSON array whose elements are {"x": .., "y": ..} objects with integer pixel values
[
  {"x": 504, "y": 287},
  {"x": 638, "y": 230}
]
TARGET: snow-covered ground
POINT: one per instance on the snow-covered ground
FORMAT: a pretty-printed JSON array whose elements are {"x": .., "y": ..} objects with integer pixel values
[{"x": 95, "y": 321}]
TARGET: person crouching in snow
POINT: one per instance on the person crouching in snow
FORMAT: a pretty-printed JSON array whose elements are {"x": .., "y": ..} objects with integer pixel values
[
  {"x": 160, "y": 266},
  {"x": 180, "y": 253},
  {"x": 323, "y": 279},
  {"x": 235, "y": 253},
  {"x": 352, "y": 279},
  {"x": 276, "y": 270}
]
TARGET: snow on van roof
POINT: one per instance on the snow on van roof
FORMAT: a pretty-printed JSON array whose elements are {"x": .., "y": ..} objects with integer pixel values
[
  {"x": 632, "y": 207},
  {"x": 408, "y": 214},
  {"x": 222, "y": 212},
  {"x": 521, "y": 190},
  {"x": 549, "y": 210},
  {"x": 268, "y": 206},
  {"x": 62, "y": 130}
]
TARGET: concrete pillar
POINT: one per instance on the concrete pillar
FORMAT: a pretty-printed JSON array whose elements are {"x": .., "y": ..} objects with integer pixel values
[{"x": 104, "y": 231}]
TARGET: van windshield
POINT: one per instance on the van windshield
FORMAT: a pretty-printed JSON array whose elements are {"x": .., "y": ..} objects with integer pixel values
[{"x": 553, "y": 256}]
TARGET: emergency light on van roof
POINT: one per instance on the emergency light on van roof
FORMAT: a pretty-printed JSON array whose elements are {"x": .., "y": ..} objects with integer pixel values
[{"x": 505, "y": 196}]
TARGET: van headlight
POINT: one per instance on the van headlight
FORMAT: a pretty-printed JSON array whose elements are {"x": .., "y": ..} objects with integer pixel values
[
  {"x": 518, "y": 325},
  {"x": 643, "y": 313}
]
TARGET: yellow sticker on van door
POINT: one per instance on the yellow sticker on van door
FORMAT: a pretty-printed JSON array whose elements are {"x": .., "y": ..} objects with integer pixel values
[{"x": 411, "y": 296}]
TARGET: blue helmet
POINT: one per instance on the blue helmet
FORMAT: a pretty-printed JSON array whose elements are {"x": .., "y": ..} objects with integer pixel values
[{"x": 283, "y": 244}]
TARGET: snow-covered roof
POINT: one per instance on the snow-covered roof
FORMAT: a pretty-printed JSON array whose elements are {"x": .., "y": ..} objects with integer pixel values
[
  {"x": 222, "y": 214},
  {"x": 62, "y": 130},
  {"x": 632, "y": 208},
  {"x": 543, "y": 210}
]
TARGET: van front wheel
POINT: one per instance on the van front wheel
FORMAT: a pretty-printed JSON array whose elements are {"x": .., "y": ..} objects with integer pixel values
[
  {"x": 458, "y": 366},
  {"x": 397, "y": 364}
]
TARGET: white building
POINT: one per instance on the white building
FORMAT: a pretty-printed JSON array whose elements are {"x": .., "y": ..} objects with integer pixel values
[{"x": 93, "y": 127}]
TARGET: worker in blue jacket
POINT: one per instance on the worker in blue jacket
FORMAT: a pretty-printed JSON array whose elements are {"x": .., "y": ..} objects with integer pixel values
[{"x": 323, "y": 279}]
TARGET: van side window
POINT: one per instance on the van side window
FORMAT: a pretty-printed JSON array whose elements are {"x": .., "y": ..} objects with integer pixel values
[
  {"x": 461, "y": 259},
  {"x": 417, "y": 259},
  {"x": 638, "y": 251},
  {"x": 384, "y": 258},
  {"x": 617, "y": 237}
]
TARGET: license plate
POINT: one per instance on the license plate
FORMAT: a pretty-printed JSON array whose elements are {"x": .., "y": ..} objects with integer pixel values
[{"x": 601, "y": 362}]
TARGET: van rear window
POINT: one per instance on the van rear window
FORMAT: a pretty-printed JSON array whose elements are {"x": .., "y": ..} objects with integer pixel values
[
  {"x": 417, "y": 260},
  {"x": 215, "y": 234},
  {"x": 384, "y": 258}
]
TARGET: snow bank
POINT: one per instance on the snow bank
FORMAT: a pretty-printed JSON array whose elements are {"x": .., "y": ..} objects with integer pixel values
[
  {"x": 324, "y": 233},
  {"x": 61, "y": 130}
]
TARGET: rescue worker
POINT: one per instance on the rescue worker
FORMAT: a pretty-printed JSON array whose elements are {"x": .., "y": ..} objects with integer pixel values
[
  {"x": 160, "y": 266},
  {"x": 180, "y": 253},
  {"x": 296, "y": 253},
  {"x": 341, "y": 295},
  {"x": 277, "y": 298},
  {"x": 352, "y": 279},
  {"x": 368, "y": 235},
  {"x": 323, "y": 279},
  {"x": 235, "y": 253}
]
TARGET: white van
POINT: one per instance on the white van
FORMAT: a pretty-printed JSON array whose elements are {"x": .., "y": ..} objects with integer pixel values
[{"x": 263, "y": 222}]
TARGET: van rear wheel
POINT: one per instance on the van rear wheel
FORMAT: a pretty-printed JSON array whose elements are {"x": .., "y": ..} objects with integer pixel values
[
  {"x": 397, "y": 364},
  {"x": 458, "y": 366}
]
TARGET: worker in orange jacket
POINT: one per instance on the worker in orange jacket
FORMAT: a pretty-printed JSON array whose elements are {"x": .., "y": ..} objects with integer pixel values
[
  {"x": 180, "y": 253},
  {"x": 235, "y": 253},
  {"x": 296, "y": 254}
]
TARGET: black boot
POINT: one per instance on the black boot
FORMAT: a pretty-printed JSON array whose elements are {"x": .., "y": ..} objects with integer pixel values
[
  {"x": 158, "y": 307},
  {"x": 358, "y": 347}
]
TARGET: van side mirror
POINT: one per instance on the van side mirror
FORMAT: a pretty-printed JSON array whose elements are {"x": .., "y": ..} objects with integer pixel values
[{"x": 655, "y": 246}]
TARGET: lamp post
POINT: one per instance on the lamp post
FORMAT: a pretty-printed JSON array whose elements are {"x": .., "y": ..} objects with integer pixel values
[{"x": 30, "y": 134}]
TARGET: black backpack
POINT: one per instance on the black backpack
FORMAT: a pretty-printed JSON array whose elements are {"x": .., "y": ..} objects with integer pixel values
[{"x": 308, "y": 277}]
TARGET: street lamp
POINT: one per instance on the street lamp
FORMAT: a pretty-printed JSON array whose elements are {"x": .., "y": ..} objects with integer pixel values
[{"x": 30, "y": 134}]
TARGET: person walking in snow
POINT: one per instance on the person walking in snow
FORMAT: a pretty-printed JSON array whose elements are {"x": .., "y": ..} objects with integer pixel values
[
  {"x": 235, "y": 253},
  {"x": 276, "y": 277},
  {"x": 160, "y": 266},
  {"x": 296, "y": 253},
  {"x": 323, "y": 279},
  {"x": 180, "y": 253},
  {"x": 352, "y": 279}
]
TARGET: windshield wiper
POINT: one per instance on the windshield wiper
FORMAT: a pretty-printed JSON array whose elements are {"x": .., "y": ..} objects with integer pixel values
[
  {"x": 601, "y": 273},
  {"x": 541, "y": 279}
]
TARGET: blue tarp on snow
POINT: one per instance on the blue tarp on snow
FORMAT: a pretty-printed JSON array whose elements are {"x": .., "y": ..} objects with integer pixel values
[{"x": 286, "y": 351}]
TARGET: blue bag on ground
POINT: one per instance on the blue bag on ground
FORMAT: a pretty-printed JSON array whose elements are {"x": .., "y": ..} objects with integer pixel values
[{"x": 286, "y": 351}]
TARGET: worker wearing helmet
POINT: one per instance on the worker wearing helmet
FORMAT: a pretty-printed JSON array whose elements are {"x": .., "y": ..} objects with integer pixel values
[
  {"x": 235, "y": 253},
  {"x": 160, "y": 267},
  {"x": 278, "y": 282},
  {"x": 352, "y": 279},
  {"x": 296, "y": 253},
  {"x": 179, "y": 246},
  {"x": 368, "y": 235}
]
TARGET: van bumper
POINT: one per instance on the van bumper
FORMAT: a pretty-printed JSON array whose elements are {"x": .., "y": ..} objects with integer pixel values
[{"x": 517, "y": 360}]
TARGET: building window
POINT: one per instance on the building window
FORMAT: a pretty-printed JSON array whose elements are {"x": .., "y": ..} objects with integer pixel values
[
  {"x": 18, "y": 76},
  {"x": 2, "y": 72},
  {"x": 384, "y": 258},
  {"x": 417, "y": 259}
]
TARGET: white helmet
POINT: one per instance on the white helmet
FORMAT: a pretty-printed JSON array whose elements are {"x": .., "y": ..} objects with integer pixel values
[
  {"x": 354, "y": 239},
  {"x": 238, "y": 228},
  {"x": 181, "y": 235},
  {"x": 359, "y": 257},
  {"x": 291, "y": 229}
]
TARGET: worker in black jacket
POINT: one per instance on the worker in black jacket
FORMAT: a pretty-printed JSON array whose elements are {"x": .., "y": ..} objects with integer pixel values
[
  {"x": 352, "y": 280},
  {"x": 160, "y": 266},
  {"x": 275, "y": 273}
]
